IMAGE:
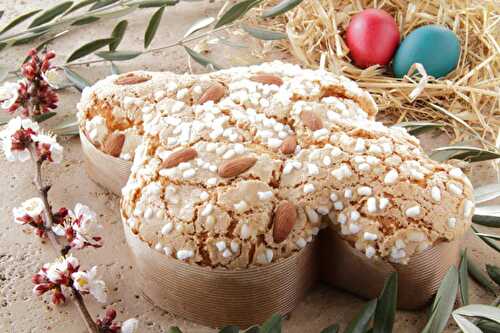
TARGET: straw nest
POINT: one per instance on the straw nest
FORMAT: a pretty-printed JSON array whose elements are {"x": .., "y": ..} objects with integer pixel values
[{"x": 466, "y": 101}]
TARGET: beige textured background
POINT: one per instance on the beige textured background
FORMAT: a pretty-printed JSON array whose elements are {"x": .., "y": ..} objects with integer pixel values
[{"x": 21, "y": 254}]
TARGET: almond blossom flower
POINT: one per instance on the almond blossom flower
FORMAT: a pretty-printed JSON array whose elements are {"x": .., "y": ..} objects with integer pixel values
[
  {"x": 16, "y": 138},
  {"x": 30, "y": 213},
  {"x": 130, "y": 325},
  {"x": 107, "y": 324},
  {"x": 8, "y": 94},
  {"x": 87, "y": 283},
  {"x": 47, "y": 148}
]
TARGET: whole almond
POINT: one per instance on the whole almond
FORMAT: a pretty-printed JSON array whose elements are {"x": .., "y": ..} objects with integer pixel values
[
  {"x": 267, "y": 79},
  {"x": 113, "y": 144},
  {"x": 289, "y": 144},
  {"x": 214, "y": 93},
  {"x": 178, "y": 157},
  {"x": 285, "y": 217},
  {"x": 130, "y": 79},
  {"x": 311, "y": 120},
  {"x": 236, "y": 166}
]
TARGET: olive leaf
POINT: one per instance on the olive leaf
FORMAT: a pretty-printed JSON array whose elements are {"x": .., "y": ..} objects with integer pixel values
[
  {"x": 102, "y": 3},
  {"x": 230, "y": 329},
  {"x": 443, "y": 303},
  {"x": 488, "y": 326},
  {"x": 463, "y": 278},
  {"x": 386, "y": 306},
  {"x": 480, "y": 310},
  {"x": 18, "y": 20},
  {"x": 264, "y": 34},
  {"x": 117, "y": 34},
  {"x": 486, "y": 193},
  {"x": 75, "y": 78},
  {"x": 79, "y": 5},
  {"x": 153, "y": 25},
  {"x": 236, "y": 11},
  {"x": 491, "y": 236},
  {"x": 40, "y": 118},
  {"x": 488, "y": 241},
  {"x": 28, "y": 39},
  {"x": 118, "y": 55},
  {"x": 253, "y": 329},
  {"x": 50, "y": 14},
  {"x": 494, "y": 273},
  {"x": 201, "y": 59},
  {"x": 155, "y": 3},
  {"x": 479, "y": 277},
  {"x": 174, "y": 329},
  {"x": 88, "y": 48},
  {"x": 331, "y": 329},
  {"x": 360, "y": 323},
  {"x": 281, "y": 8},
  {"x": 466, "y": 325},
  {"x": 418, "y": 127},
  {"x": 272, "y": 325},
  {"x": 67, "y": 128},
  {"x": 86, "y": 20},
  {"x": 487, "y": 220},
  {"x": 469, "y": 154},
  {"x": 116, "y": 13},
  {"x": 198, "y": 25}
]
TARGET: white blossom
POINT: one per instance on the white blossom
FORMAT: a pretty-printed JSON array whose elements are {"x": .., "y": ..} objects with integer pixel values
[
  {"x": 84, "y": 223},
  {"x": 61, "y": 269},
  {"x": 15, "y": 125},
  {"x": 53, "y": 147},
  {"x": 8, "y": 94},
  {"x": 33, "y": 208},
  {"x": 130, "y": 325},
  {"x": 87, "y": 282}
]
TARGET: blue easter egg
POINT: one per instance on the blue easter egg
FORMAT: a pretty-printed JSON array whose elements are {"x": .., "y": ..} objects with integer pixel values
[{"x": 435, "y": 47}]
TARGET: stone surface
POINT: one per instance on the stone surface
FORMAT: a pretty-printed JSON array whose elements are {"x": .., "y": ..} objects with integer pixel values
[{"x": 21, "y": 254}]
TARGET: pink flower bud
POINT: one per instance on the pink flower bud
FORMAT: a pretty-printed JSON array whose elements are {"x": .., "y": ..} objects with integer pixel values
[{"x": 58, "y": 297}]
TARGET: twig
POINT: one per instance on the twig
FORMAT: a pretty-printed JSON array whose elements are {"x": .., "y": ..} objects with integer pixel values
[{"x": 43, "y": 191}]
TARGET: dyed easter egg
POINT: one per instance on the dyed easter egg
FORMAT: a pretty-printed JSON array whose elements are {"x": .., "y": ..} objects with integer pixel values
[
  {"x": 435, "y": 47},
  {"x": 372, "y": 37}
]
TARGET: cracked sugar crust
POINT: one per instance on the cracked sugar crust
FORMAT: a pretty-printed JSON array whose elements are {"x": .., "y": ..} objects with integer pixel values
[
  {"x": 113, "y": 107},
  {"x": 207, "y": 180}
]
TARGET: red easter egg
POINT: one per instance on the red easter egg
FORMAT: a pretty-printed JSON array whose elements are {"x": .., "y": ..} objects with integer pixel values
[{"x": 372, "y": 36}]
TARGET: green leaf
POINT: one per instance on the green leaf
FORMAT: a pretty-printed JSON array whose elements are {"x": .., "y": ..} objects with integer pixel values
[
  {"x": 118, "y": 55},
  {"x": 479, "y": 276},
  {"x": 198, "y": 25},
  {"x": 86, "y": 20},
  {"x": 494, "y": 273},
  {"x": 75, "y": 78},
  {"x": 486, "y": 193},
  {"x": 31, "y": 37},
  {"x": 117, "y": 34},
  {"x": 174, "y": 329},
  {"x": 469, "y": 154},
  {"x": 236, "y": 11},
  {"x": 88, "y": 48},
  {"x": 360, "y": 323},
  {"x": 40, "y": 118},
  {"x": 264, "y": 34},
  {"x": 51, "y": 14},
  {"x": 386, "y": 306},
  {"x": 152, "y": 28},
  {"x": 155, "y": 3},
  {"x": 491, "y": 243},
  {"x": 443, "y": 303},
  {"x": 480, "y": 310},
  {"x": 79, "y": 5},
  {"x": 201, "y": 59},
  {"x": 331, "y": 329},
  {"x": 114, "y": 69},
  {"x": 281, "y": 8},
  {"x": 486, "y": 220},
  {"x": 466, "y": 325},
  {"x": 488, "y": 326},
  {"x": 68, "y": 127},
  {"x": 253, "y": 329},
  {"x": 272, "y": 325},
  {"x": 116, "y": 13},
  {"x": 18, "y": 20},
  {"x": 418, "y": 127},
  {"x": 102, "y": 3},
  {"x": 490, "y": 236},
  {"x": 230, "y": 329},
  {"x": 464, "y": 278}
]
